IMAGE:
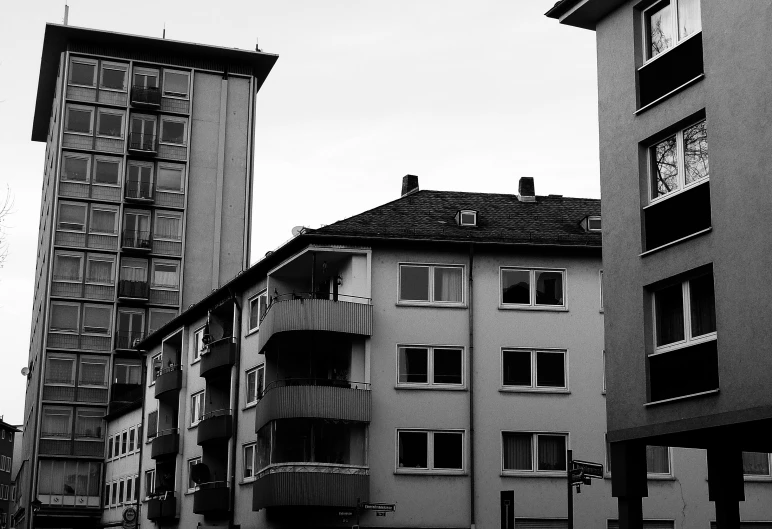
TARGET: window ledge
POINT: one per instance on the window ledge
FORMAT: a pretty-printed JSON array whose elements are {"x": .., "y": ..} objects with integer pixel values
[
  {"x": 193, "y": 426},
  {"x": 546, "y": 308},
  {"x": 425, "y": 472},
  {"x": 431, "y": 304},
  {"x": 252, "y": 331},
  {"x": 89, "y": 134},
  {"x": 757, "y": 479},
  {"x": 657, "y": 101},
  {"x": 247, "y": 481},
  {"x": 678, "y": 241},
  {"x": 532, "y": 474},
  {"x": 703, "y": 393},
  {"x": 194, "y": 362},
  {"x": 538, "y": 391},
  {"x": 651, "y": 477},
  {"x": 249, "y": 406},
  {"x": 429, "y": 387}
]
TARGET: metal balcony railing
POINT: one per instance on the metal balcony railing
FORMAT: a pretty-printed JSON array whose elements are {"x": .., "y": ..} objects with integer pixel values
[
  {"x": 139, "y": 190},
  {"x": 146, "y": 95},
  {"x": 139, "y": 240},
  {"x": 139, "y": 141},
  {"x": 278, "y": 298},
  {"x": 133, "y": 289}
]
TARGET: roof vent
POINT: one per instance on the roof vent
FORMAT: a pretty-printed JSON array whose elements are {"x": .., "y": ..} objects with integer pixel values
[
  {"x": 409, "y": 184},
  {"x": 525, "y": 190}
]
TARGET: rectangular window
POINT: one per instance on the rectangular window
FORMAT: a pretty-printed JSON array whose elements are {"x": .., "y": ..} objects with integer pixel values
[
  {"x": 75, "y": 168},
  {"x": 156, "y": 367},
  {"x": 159, "y": 318},
  {"x": 534, "y": 369},
  {"x": 100, "y": 269},
  {"x": 82, "y": 72},
  {"x": 756, "y": 464},
  {"x": 532, "y": 287},
  {"x": 679, "y": 161},
  {"x": 152, "y": 424},
  {"x": 93, "y": 371},
  {"x": 68, "y": 267},
  {"x": 113, "y": 76},
  {"x": 110, "y": 448},
  {"x": 249, "y": 461},
  {"x": 149, "y": 483},
  {"x": 168, "y": 226},
  {"x": 127, "y": 372},
  {"x": 198, "y": 344},
  {"x": 255, "y": 384},
  {"x": 107, "y": 171},
  {"x": 176, "y": 84},
  {"x": 658, "y": 460},
  {"x": 685, "y": 313},
  {"x": 60, "y": 369},
  {"x": 132, "y": 439},
  {"x": 104, "y": 220},
  {"x": 145, "y": 78},
  {"x": 425, "y": 450},
  {"x": 165, "y": 274},
  {"x": 257, "y": 308},
  {"x": 173, "y": 131},
  {"x": 97, "y": 319},
  {"x": 88, "y": 423},
  {"x": 191, "y": 463},
  {"x": 668, "y": 22},
  {"x": 533, "y": 452},
  {"x": 56, "y": 422},
  {"x": 430, "y": 366},
  {"x": 601, "y": 290},
  {"x": 65, "y": 317},
  {"x": 431, "y": 283},
  {"x": 110, "y": 123},
  {"x": 129, "y": 493},
  {"x": 196, "y": 408},
  {"x": 170, "y": 178},
  {"x": 72, "y": 217},
  {"x": 79, "y": 119},
  {"x": 139, "y": 180}
]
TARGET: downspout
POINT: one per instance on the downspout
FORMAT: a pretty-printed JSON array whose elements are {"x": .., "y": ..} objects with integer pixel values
[
  {"x": 470, "y": 312},
  {"x": 235, "y": 400},
  {"x": 141, "y": 441}
]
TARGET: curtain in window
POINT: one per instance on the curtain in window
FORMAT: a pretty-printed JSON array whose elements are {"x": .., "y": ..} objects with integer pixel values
[
  {"x": 169, "y": 179},
  {"x": 167, "y": 227},
  {"x": 165, "y": 275},
  {"x": 60, "y": 371},
  {"x": 657, "y": 460},
  {"x": 88, "y": 423},
  {"x": 133, "y": 272},
  {"x": 57, "y": 422},
  {"x": 102, "y": 221},
  {"x": 252, "y": 386},
  {"x": 756, "y": 463},
  {"x": 413, "y": 365},
  {"x": 703, "y": 305},
  {"x": 72, "y": 217},
  {"x": 96, "y": 320},
  {"x": 152, "y": 424},
  {"x": 58, "y": 473},
  {"x": 249, "y": 468},
  {"x": 552, "y": 452},
  {"x": 64, "y": 318},
  {"x": 92, "y": 372},
  {"x": 100, "y": 271},
  {"x": 689, "y": 21},
  {"x": 447, "y": 284},
  {"x": 45, "y": 476},
  {"x": 517, "y": 451},
  {"x": 175, "y": 83},
  {"x": 70, "y": 477},
  {"x": 669, "y": 309},
  {"x": 67, "y": 268}
]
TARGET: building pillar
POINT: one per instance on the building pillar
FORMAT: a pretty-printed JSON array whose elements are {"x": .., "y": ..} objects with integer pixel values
[
  {"x": 726, "y": 486},
  {"x": 628, "y": 481}
]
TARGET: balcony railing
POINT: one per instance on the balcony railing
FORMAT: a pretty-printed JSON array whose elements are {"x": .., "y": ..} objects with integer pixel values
[
  {"x": 212, "y": 499},
  {"x": 215, "y": 426},
  {"x": 168, "y": 379},
  {"x": 145, "y": 96},
  {"x": 133, "y": 289},
  {"x": 143, "y": 143},
  {"x": 128, "y": 340},
  {"x": 314, "y": 398},
  {"x": 162, "y": 506},
  {"x": 139, "y": 191},
  {"x": 138, "y": 240},
  {"x": 165, "y": 443},
  {"x": 310, "y": 485},
  {"x": 219, "y": 355}
]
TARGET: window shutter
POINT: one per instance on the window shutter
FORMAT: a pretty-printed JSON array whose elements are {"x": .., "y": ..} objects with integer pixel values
[{"x": 152, "y": 424}]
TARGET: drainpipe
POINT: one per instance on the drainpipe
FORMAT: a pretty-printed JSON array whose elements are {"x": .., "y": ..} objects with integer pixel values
[
  {"x": 235, "y": 410},
  {"x": 141, "y": 441},
  {"x": 470, "y": 312}
]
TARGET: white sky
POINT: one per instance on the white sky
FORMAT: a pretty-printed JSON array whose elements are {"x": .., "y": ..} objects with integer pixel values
[{"x": 469, "y": 96}]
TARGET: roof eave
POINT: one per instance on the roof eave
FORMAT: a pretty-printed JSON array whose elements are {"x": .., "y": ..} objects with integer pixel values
[{"x": 583, "y": 14}]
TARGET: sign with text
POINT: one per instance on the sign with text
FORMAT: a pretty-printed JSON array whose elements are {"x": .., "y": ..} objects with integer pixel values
[
  {"x": 589, "y": 469},
  {"x": 383, "y": 507}
]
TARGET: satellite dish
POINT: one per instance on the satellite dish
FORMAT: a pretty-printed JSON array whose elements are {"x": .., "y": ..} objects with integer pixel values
[
  {"x": 297, "y": 230},
  {"x": 25, "y": 371}
]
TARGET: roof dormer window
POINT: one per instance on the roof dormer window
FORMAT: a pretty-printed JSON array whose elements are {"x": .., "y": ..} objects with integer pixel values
[
  {"x": 466, "y": 217},
  {"x": 593, "y": 223}
]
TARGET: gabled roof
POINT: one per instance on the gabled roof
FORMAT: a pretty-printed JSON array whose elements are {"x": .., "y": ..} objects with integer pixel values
[
  {"x": 503, "y": 219},
  {"x": 582, "y": 13}
]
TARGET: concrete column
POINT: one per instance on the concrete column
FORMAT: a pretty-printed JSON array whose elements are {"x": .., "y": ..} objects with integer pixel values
[
  {"x": 726, "y": 486},
  {"x": 628, "y": 481}
]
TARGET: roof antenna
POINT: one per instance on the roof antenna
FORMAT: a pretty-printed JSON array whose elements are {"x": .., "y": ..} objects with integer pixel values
[
  {"x": 66, "y": 13},
  {"x": 257, "y": 45},
  {"x": 164, "y": 33}
]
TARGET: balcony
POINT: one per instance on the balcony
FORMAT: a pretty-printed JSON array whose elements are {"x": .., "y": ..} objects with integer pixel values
[
  {"x": 221, "y": 356},
  {"x": 215, "y": 426},
  {"x": 169, "y": 379},
  {"x": 313, "y": 314},
  {"x": 143, "y": 96},
  {"x": 310, "y": 485},
  {"x": 140, "y": 143},
  {"x": 133, "y": 289},
  {"x": 138, "y": 191},
  {"x": 165, "y": 444},
  {"x": 136, "y": 240},
  {"x": 69, "y": 447},
  {"x": 212, "y": 499},
  {"x": 124, "y": 394},
  {"x": 314, "y": 398},
  {"x": 162, "y": 507}
]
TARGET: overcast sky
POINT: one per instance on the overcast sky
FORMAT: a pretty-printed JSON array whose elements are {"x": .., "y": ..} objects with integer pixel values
[{"x": 468, "y": 95}]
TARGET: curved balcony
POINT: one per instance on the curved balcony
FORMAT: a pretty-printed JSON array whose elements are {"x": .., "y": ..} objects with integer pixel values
[
  {"x": 165, "y": 444},
  {"x": 215, "y": 426},
  {"x": 310, "y": 485},
  {"x": 162, "y": 507},
  {"x": 169, "y": 379},
  {"x": 212, "y": 499},
  {"x": 314, "y": 398},
  {"x": 221, "y": 356},
  {"x": 311, "y": 314}
]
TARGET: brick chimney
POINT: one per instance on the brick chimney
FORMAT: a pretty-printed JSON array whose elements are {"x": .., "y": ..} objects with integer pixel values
[
  {"x": 525, "y": 190},
  {"x": 409, "y": 184}
]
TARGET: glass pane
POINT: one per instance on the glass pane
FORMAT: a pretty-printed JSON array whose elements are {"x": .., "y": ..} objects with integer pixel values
[
  {"x": 447, "y": 366},
  {"x": 659, "y": 28},
  {"x": 696, "y": 153},
  {"x": 517, "y": 368},
  {"x": 75, "y": 169},
  {"x": 167, "y": 227},
  {"x": 252, "y": 386},
  {"x": 657, "y": 460},
  {"x": 755, "y": 464},
  {"x": 173, "y": 132},
  {"x": 413, "y": 365},
  {"x": 447, "y": 284},
  {"x": 169, "y": 179},
  {"x": 552, "y": 452},
  {"x": 72, "y": 217},
  {"x": 165, "y": 275},
  {"x": 110, "y": 124},
  {"x": 689, "y": 21},
  {"x": 93, "y": 372},
  {"x": 448, "y": 450},
  {"x": 60, "y": 371},
  {"x": 57, "y": 422},
  {"x": 414, "y": 283},
  {"x": 106, "y": 172},
  {"x": 669, "y": 309},
  {"x": 79, "y": 120},
  {"x": 102, "y": 221},
  {"x": 515, "y": 286},
  {"x": 113, "y": 78},
  {"x": 549, "y": 288},
  {"x": 413, "y": 450},
  {"x": 665, "y": 163},
  {"x": 159, "y": 319},
  {"x": 249, "y": 452},
  {"x": 67, "y": 268},
  {"x": 703, "y": 309},
  {"x": 82, "y": 74},
  {"x": 550, "y": 370},
  {"x": 88, "y": 423},
  {"x": 176, "y": 83},
  {"x": 517, "y": 451},
  {"x": 64, "y": 318},
  {"x": 96, "y": 320},
  {"x": 100, "y": 271}
]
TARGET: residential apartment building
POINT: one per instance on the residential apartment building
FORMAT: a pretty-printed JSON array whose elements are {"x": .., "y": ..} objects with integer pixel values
[
  {"x": 123, "y": 430},
  {"x": 684, "y": 93},
  {"x": 7, "y": 449},
  {"x": 439, "y": 353},
  {"x": 148, "y": 147}
]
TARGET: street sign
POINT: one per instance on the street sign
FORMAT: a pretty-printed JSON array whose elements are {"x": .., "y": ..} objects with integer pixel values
[
  {"x": 592, "y": 470},
  {"x": 380, "y": 513},
  {"x": 383, "y": 507},
  {"x": 345, "y": 514}
]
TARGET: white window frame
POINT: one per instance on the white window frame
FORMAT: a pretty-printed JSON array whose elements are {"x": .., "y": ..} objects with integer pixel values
[
  {"x": 106, "y": 378},
  {"x": 146, "y": 72},
  {"x": 251, "y": 400},
  {"x": 111, "y": 159},
  {"x": 63, "y": 356},
  {"x": 113, "y": 66},
  {"x": 257, "y": 298},
  {"x": 83, "y": 320},
  {"x": 113, "y": 112},
  {"x": 83, "y": 60},
  {"x": 176, "y": 167},
  {"x": 198, "y": 344},
  {"x": 197, "y": 407},
  {"x": 153, "y": 264},
  {"x": 431, "y": 301},
  {"x": 534, "y": 388},
  {"x": 649, "y": 475},
  {"x": 192, "y": 461},
  {"x": 77, "y": 312},
  {"x": 76, "y": 156},
  {"x": 105, "y": 258},
  {"x": 534, "y": 453},
  {"x": 68, "y": 409},
  {"x": 592, "y": 218},
  {"x": 82, "y": 108},
  {"x": 760, "y": 477},
  {"x": 532, "y": 289},
  {"x": 674, "y": 28},
  {"x": 429, "y": 384},
  {"x": 151, "y": 370},
  {"x": 600, "y": 280},
  {"x": 100, "y": 207},
  {"x": 430, "y": 452},
  {"x": 463, "y": 212},
  {"x": 173, "y": 95},
  {"x": 149, "y": 474},
  {"x": 652, "y": 169},
  {"x": 79, "y": 256},
  {"x": 173, "y": 119},
  {"x": 604, "y": 372},
  {"x": 170, "y": 215},
  {"x": 244, "y": 477},
  {"x": 77, "y": 204},
  {"x": 688, "y": 340}
]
